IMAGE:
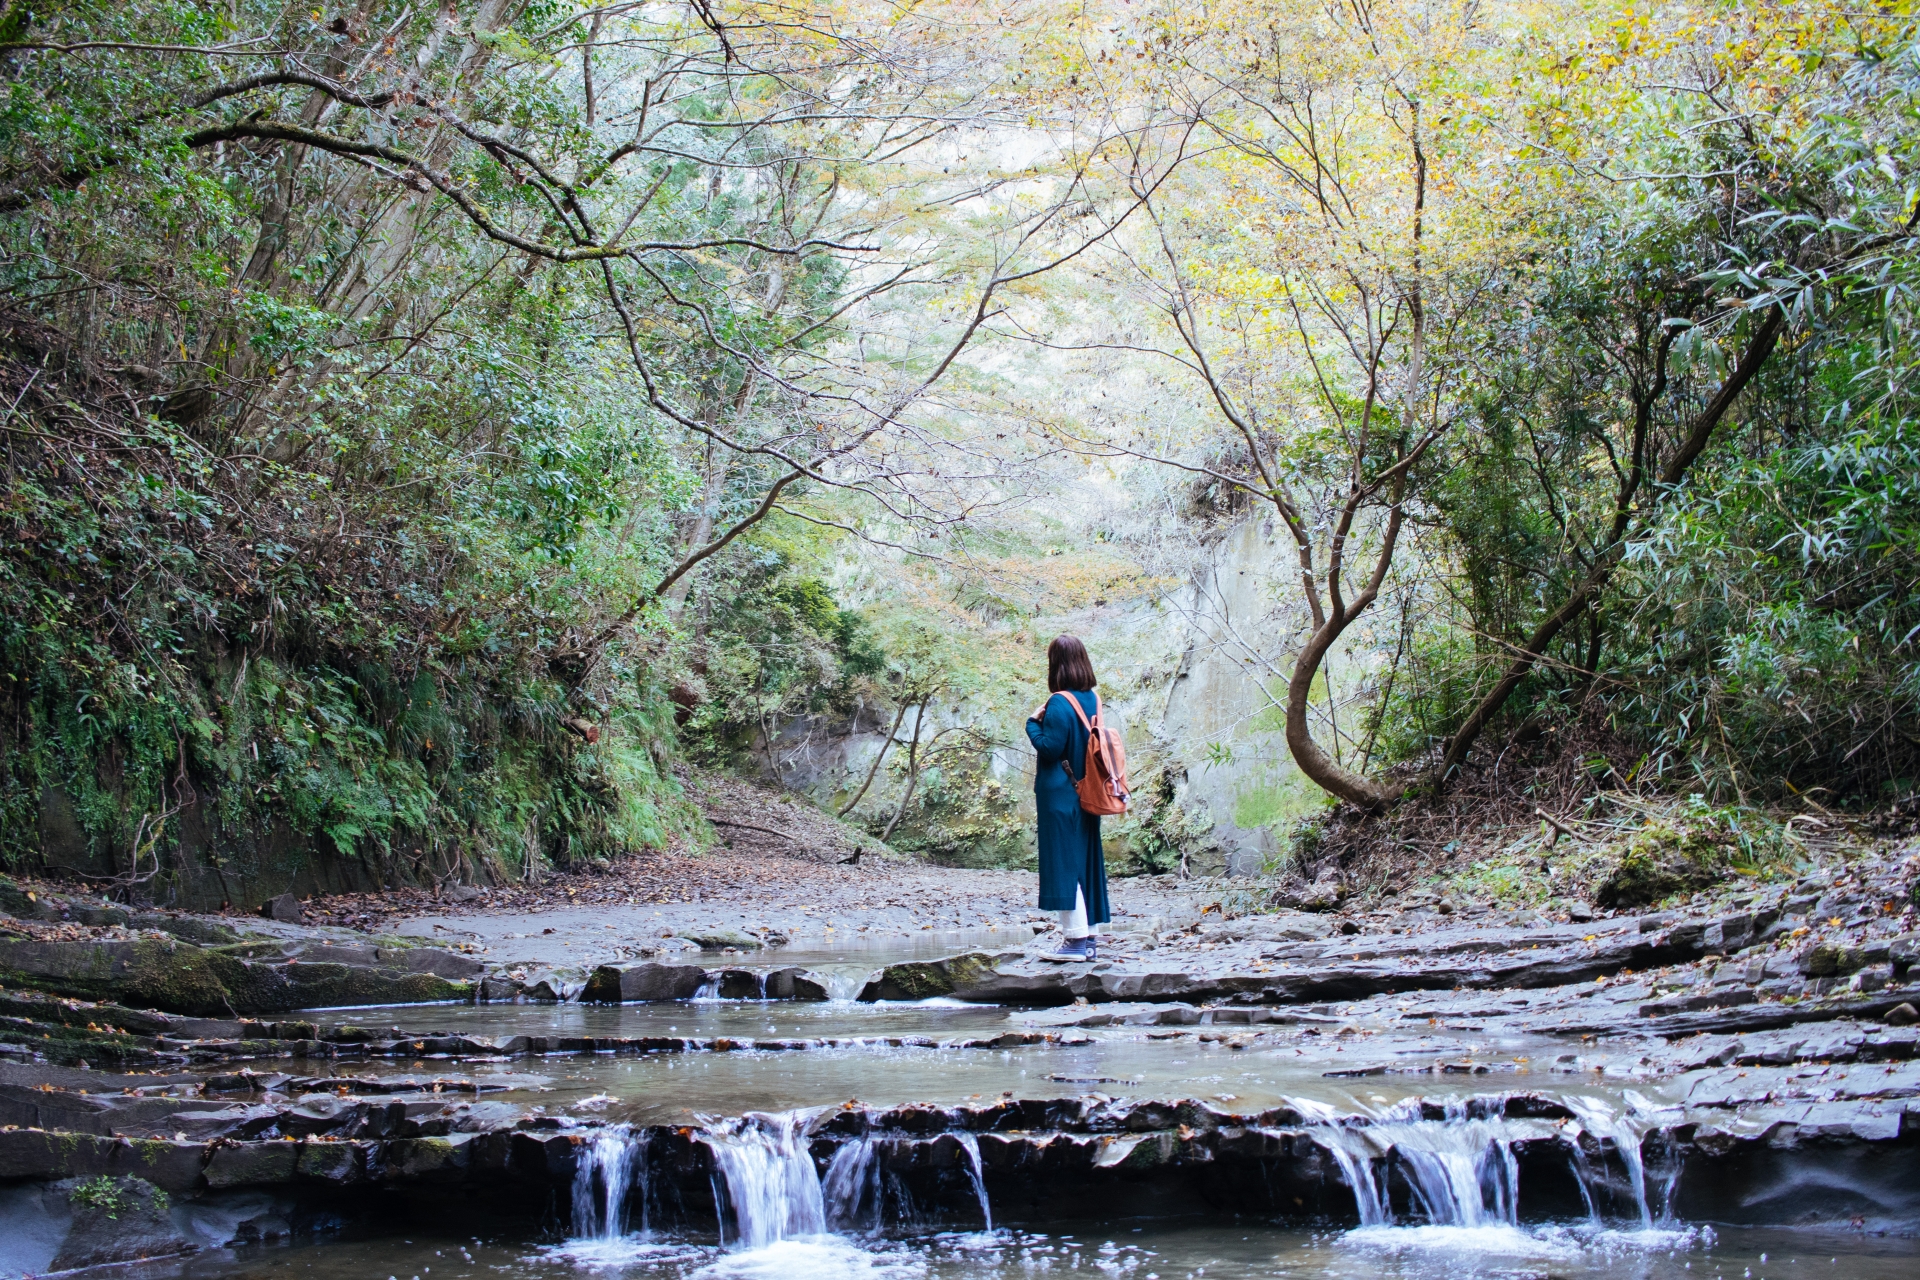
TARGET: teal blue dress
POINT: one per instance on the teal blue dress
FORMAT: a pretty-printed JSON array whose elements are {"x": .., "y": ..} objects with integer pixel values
[{"x": 1070, "y": 856}]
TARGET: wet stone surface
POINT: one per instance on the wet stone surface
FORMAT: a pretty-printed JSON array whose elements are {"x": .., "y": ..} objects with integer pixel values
[{"x": 1744, "y": 1060}]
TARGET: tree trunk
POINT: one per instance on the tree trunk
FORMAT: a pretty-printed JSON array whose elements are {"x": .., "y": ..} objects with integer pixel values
[
  {"x": 1314, "y": 762},
  {"x": 1759, "y": 347},
  {"x": 913, "y": 771},
  {"x": 872, "y": 771},
  {"x": 711, "y": 491},
  {"x": 1596, "y": 636}
]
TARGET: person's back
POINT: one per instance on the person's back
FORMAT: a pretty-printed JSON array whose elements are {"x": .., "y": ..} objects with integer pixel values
[{"x": 1073, "y": 871}]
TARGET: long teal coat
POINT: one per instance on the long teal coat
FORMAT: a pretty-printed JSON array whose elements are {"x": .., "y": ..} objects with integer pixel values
[{"x": 1070, "y": 856}]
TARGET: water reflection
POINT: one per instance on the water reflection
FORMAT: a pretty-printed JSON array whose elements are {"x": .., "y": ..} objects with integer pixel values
[{"x": 1214, "y": 1250}]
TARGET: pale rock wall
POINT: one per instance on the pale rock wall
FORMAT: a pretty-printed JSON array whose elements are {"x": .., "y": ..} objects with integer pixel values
[{"x": 1195, "y": 679}]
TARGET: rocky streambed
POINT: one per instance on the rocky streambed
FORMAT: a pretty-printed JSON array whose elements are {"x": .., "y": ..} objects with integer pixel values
[{"x": 175, "y": 1087}]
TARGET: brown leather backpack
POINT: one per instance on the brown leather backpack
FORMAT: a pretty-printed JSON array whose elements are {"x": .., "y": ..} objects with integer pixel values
[{"x": 1103, "y": 788}]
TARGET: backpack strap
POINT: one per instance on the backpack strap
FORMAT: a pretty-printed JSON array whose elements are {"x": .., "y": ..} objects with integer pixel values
[
  {"x": 1077, "y": 710},
  {"x": 1065, "y": 761}
]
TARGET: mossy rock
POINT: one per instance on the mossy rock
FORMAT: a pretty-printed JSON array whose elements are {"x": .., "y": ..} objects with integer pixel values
[
  {"x": 191, "y": 928},
  {"x": 153, "y": 972},
  {"x": 116, "y": 1220},
  {"x": 405, "y": 1158},
  {"x": 252, "y": 1164},
  {"x": 209, "y": 982},
  {"x": 336, "y": 1162},
  {"x": 969, "y": 971},
  {"x": 915, "y": 980},
  {"x": 925, "y": 979},
  {"x": 65, "y": 1044},
  {"x": 1658, "y": 863},
  {"x": 14, "y": 901},
  {"x": 1833, "y": 960}
]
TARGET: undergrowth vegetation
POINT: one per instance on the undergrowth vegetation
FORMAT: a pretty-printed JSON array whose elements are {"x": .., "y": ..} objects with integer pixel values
[
  {"x": 1726, "y": 590},
  {"x": 394, "y": 428},
  {"x": 430, "y": 431}
]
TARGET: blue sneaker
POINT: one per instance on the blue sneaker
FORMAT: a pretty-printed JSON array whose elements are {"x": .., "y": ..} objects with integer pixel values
[{"x": 1071, "y": 951}]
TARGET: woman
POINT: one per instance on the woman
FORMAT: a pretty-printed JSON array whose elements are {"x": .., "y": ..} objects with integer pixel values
[{"x": 1073, "y": 871}]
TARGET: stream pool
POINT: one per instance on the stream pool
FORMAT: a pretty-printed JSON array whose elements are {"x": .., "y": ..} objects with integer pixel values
[
  {"x": 1371, "y": 1064},
  {"x": 787, "y": 1219},
  {"x": 1155, "y": 1250}
]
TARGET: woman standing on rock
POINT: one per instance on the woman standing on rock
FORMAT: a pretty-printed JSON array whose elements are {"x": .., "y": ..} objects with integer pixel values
[{"x": 1073, "y": 870}]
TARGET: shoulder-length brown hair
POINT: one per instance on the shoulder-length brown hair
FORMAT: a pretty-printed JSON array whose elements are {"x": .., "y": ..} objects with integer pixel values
[{"x": 1068, "y": 666}]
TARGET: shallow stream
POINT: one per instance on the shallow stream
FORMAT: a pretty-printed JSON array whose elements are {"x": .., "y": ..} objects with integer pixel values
[
  {"x": 834, "y": 1051},
  {"x": 1122, "y": 1250},
  {"x": 1436, "y": 1198}
]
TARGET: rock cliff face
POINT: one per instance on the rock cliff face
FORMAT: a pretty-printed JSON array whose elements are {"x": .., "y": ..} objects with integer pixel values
[
  {"x": 1194, "y": 681},
  {"x": 1220, "y": 719},
  {"x": 214, "y": 861}
]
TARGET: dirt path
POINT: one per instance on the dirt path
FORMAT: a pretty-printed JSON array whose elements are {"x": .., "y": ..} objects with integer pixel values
[{"x": 786, "y": 870}]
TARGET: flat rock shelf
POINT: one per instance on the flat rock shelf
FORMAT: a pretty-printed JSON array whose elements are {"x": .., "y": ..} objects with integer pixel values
[{"x": 1632, "y": 1096}]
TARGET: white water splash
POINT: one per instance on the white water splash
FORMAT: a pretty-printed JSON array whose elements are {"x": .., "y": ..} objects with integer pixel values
[
  {"x": 625, "y": 1253},
  {"x": 604, "y": 1174},
  {"x": 976, "y": 1172},
  {"x": 1462, "y": 1172},
  {"x": 768, "y": 1178},
  {"x": 821, "y": 1258},
  {"x": 851, "y": 1188},
  {"x": 1476, "y": 1245}
]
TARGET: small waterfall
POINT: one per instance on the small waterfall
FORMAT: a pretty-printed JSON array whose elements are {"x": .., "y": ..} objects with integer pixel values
[
  {"x": 851, "y": 1188},
  {"x": 765, "y": 1174},
  {"x": 971, "y": 1145},
  {"x": 1598, "y": 1119},
  {"x": 603, "y": 1174},
  {"x": 1461, "y": 1172},
  {"x": 842, "y": 986}
]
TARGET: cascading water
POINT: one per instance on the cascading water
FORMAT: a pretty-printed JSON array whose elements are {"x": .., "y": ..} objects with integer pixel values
[
  {"x": 851, "y": 1188},
  {"x": 1600, "y": 1120},
  {"x": 604, "y": 1173},
  {"x": 971, "y": 1146},
  {"x": 1461, "y": 1171},
  {"x": 765, "y": 1174},
  {"x": 842, "y": 985}
]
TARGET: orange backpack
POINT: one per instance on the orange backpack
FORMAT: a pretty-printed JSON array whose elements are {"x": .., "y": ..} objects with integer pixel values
[{"x": 1103, "y": 788}]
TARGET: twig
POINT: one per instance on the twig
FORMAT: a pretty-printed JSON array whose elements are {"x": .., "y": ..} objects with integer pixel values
[{"x": 1561, "y": 828}]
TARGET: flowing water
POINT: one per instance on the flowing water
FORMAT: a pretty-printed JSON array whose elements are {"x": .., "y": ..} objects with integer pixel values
[
  {"x": 851, "y": 1188},
  {"x": 604, "y": 1184},
  {"x": 764, "y": 1180},
  {"x": 1458, "y": 1214},
  {"x": 1122, "y": 1250},
  {"x": 1437, "y": 1185},
  {"x": 888, "y": 1054}
]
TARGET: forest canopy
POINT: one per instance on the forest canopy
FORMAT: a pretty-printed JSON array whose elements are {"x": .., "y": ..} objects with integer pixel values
[{"x": 431, "y": 429}]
